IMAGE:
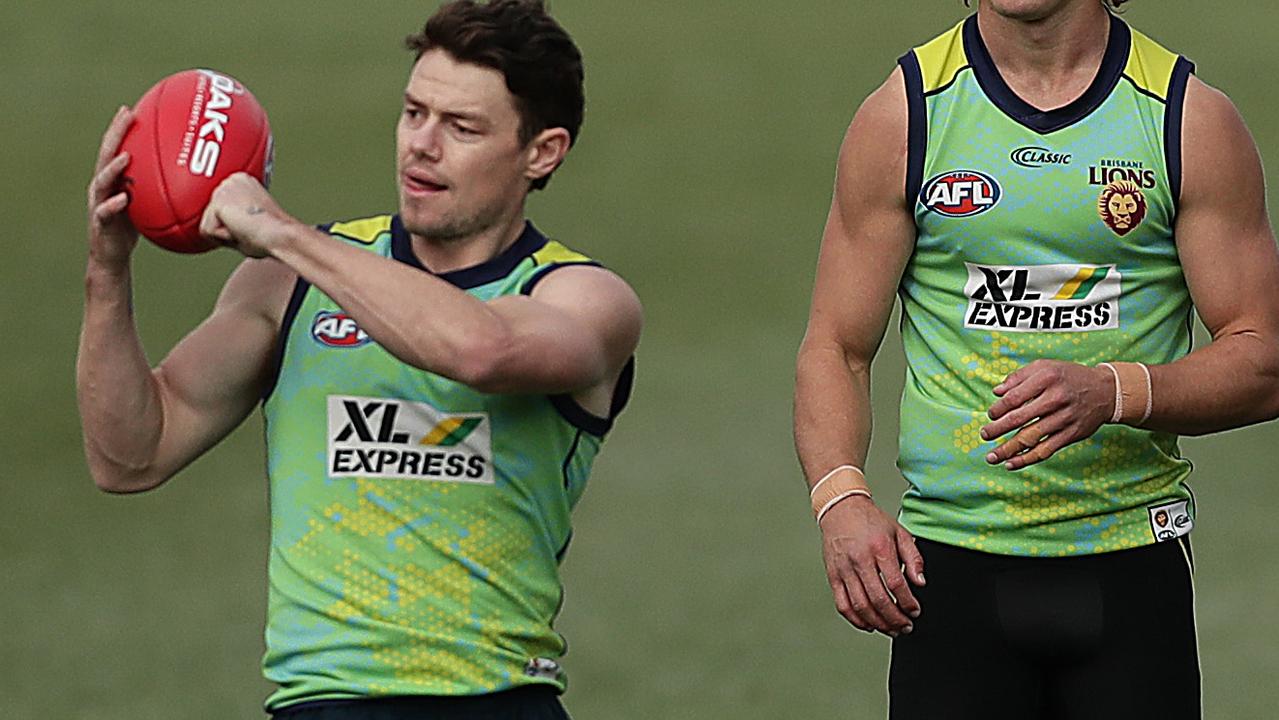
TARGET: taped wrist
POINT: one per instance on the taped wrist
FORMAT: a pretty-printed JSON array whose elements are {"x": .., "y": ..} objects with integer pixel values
[
  {"x": 839, "y": 484},
  {"x": 1133, "y": 392}
]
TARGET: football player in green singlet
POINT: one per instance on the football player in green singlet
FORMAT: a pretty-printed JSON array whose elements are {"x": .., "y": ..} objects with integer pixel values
[
  {"x": 436, "y": 384},
  {"x": 1049, "y": 192}
]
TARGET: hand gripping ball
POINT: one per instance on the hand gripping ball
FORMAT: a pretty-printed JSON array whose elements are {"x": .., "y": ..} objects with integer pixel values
[{"x": 191, "y": 131}]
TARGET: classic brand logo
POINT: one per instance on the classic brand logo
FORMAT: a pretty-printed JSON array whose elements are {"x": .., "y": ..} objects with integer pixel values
[
  {"x": 337, "y": 329},
  {"x": 1042, "y": 298},
  {"x": 386, "y": 438},
  {"x": 1170, "y": 521},
  {"x": 1033, "y": 157},
  {"x": 960, "y": 193}
]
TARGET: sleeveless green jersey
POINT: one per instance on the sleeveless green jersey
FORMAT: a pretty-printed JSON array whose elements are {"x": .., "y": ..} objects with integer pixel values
[
  {"x": 1040, "y": 234},
  {"x": 416, "y": 523}
]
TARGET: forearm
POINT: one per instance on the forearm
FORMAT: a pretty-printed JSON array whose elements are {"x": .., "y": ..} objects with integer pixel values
[
  {"x": 1228, "y": 383},
  {"x": 120, "y": 409},
  {"x": 832, "y": 410},
  {"x": 419, "y": 319}
]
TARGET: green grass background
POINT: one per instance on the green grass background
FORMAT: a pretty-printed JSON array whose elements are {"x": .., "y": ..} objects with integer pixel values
[{"x": 695, "y": 588}]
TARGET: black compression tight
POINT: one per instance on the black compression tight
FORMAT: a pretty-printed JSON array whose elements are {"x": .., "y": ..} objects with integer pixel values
[{"x": 1094, "y": 637}]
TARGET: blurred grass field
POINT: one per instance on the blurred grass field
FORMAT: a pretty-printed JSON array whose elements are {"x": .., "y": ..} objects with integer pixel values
[{"x": 694, "y": 585}]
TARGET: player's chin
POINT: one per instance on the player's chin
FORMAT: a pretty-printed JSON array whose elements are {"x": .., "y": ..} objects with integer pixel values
[
  {"x": 416, "y": 211},
  {"x": 423, "y": 221}
]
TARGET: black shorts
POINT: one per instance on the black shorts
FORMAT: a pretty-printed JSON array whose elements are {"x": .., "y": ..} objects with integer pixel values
[
  {"x": 1096, "y": 637},
  {"x": 530, "y": 702}
]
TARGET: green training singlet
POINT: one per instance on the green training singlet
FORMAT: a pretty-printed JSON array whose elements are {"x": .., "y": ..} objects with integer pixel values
[
  {"x": 416, "y": 524},
  {"x": 1040, "y": 234}
]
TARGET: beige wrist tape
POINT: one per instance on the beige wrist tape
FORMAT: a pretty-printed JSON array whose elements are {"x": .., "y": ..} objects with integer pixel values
[
  {"x": 1133, "y": 393},
  {"x": 839, "y": 484}
]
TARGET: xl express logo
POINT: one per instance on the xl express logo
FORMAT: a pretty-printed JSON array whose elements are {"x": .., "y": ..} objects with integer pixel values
[
  {"x": 960, "y": 193},
  {"x": 1042, "y": 298},
  {"x": 387, "y": 438}
]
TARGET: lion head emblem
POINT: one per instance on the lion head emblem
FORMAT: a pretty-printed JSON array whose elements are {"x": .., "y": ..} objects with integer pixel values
[{"x": 1122, "y": 206}]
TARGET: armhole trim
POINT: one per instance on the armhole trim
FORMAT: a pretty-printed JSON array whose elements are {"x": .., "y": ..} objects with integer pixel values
[
  {"x": 542, "y": 272},
  {"x": 583, "y": 419},
  {"x": 300, "y": 289},
  {"x": 568, "y": 408},
  {"x": 1173, "y": 112},
  {"x": 916, "y": 127}
]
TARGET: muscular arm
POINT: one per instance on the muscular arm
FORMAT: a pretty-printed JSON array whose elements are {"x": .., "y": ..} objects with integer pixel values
[
  {"x": 574, "y": 332},
  {"x": 572, "y": 335},
  {"x": 1229, "y": 258},
  {"x": 868, "y": 239},
  {"x": 140, "y": 425}
]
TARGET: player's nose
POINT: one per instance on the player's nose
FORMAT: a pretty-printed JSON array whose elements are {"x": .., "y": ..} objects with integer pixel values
[{"x": 425, "y": 141}]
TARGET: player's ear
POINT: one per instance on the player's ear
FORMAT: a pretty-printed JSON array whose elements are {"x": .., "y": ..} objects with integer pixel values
[{"x": 545, "y": 152}]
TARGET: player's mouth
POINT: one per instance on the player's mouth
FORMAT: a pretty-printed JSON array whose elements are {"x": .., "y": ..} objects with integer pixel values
[{"x": 419, "y": 183}]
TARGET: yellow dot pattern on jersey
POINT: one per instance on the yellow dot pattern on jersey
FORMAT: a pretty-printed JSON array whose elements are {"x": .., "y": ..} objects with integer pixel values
[{"x": 1064, "y": 493}]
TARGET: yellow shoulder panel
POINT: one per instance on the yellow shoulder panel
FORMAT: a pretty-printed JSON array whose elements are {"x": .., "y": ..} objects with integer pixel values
[
  {"x": 554, "y": 252},
  {"x": 941, "y": 58},
  {"x": 1150, "y": 65},
  {"x": 365, "y": 230}
]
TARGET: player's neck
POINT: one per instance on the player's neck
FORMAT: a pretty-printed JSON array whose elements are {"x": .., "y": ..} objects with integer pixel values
[
  {"x": 1047, "y": 61},
  {"x": 442, "y": 256}
]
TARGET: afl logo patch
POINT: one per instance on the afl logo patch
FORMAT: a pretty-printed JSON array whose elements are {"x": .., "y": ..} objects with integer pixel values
[
  {"x": 337, "y": 329},
  {"x": 960, "y": 193}
]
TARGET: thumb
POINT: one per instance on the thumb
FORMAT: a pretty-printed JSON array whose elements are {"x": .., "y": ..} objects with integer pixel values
[
  {"x": 211, "y": 225},
  {"x": 910, "y": 556}
]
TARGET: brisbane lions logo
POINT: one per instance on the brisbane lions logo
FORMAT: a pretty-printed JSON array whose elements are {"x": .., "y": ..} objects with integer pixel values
[{"x": 1122, "y": 206}]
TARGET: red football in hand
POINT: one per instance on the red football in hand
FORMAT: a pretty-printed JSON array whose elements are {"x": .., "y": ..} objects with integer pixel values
[{"x": 191, "y": 131}]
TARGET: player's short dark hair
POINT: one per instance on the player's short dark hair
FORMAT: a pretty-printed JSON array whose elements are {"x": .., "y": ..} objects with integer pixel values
[{"x": 518, "y": 38}]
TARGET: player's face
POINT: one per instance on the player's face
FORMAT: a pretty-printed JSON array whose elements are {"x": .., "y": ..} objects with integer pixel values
[
  {"x": 1030, "y": 10},
  {"x": 460, "y": 164}
]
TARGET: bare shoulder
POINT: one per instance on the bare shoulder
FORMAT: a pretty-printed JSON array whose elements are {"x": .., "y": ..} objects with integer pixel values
[
  {"x": 1216, "y": 145},
  {"x": 885, "y": 107},
  {"x": 1205, "y": 102},
  {"x": 600, "y": 294},
  {"x": 874, "y": 152},
  {"x": 258, "y": 287}
]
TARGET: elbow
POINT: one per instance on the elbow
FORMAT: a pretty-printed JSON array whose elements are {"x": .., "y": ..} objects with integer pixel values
[
  {"x": 817, "y": 353},
  {"x": 1270, "y": 410},
  {"x": 124, "y": 484},
  {"x": 481, "y": 359},
  {"x": 1269, "y": 373},
  {"x": 118, "y": 479}
]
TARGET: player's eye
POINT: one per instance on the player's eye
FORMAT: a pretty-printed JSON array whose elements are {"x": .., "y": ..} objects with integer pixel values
[
  {"x": 411, "y": 112},
  {"x": 465, "y": 130}
]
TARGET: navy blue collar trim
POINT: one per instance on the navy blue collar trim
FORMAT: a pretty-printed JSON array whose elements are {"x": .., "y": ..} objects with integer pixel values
[
  {"x": 1043, "y": 122},
  {"x": 529, "y": 242}
]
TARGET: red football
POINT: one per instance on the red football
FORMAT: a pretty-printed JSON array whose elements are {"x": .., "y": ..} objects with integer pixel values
[{"x": 192, "y": 130}]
